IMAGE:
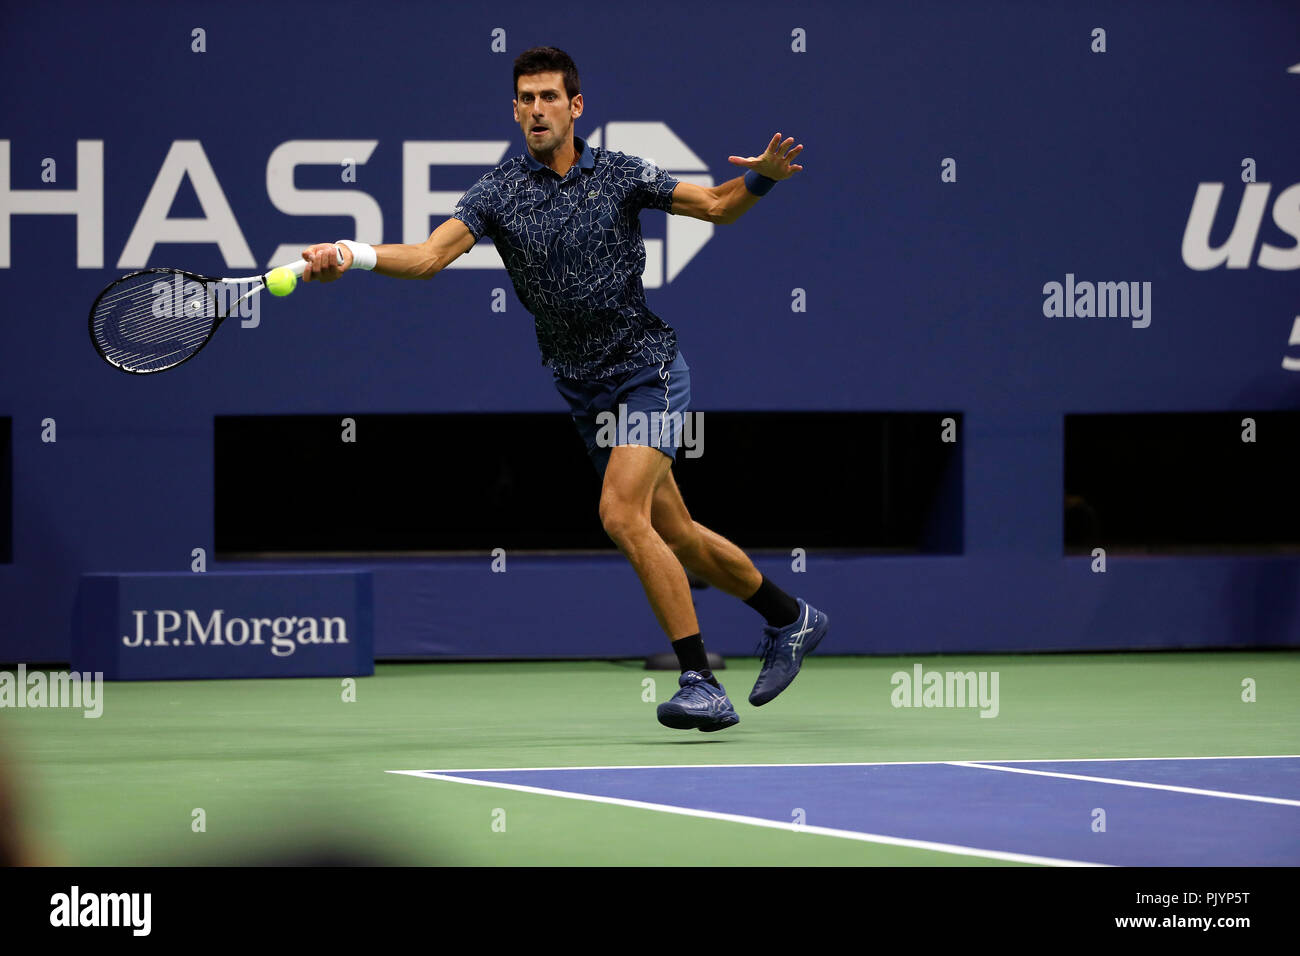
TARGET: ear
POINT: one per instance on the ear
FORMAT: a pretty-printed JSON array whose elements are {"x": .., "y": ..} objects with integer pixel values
[{"x": 576, "y": 106}]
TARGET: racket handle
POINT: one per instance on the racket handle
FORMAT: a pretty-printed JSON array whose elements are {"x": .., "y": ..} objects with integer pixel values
[{"x": 299, "y": 267}]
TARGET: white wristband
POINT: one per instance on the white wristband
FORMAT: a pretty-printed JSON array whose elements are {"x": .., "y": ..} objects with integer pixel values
[{"x": 363, "y": 254}]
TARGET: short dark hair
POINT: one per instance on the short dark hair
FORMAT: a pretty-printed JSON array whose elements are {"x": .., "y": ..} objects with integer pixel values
[{"x": 547, "y": 59}]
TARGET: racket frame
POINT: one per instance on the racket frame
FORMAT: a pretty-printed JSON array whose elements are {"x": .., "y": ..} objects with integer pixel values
[{"x": 259, "y": 283}]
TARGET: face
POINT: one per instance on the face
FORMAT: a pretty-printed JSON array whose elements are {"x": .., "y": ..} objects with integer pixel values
[{"x": 544, "y": 111}]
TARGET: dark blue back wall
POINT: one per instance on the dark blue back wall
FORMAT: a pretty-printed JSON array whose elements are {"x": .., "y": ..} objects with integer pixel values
[{"x": 921, "y": 294}]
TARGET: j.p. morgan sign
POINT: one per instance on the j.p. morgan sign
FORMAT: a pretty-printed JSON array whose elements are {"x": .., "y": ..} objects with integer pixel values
[{"x": 255, "y": 624}]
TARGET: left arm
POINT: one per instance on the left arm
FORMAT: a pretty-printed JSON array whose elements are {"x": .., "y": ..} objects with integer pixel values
[{"x": 725, "y": 203}]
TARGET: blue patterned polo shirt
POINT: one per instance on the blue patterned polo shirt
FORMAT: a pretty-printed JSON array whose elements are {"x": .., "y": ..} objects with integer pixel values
[{"x": 573, "y": 248}]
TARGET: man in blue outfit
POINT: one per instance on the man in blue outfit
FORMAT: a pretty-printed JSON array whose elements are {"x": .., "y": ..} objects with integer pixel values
[{"x": 565, "y": 218}]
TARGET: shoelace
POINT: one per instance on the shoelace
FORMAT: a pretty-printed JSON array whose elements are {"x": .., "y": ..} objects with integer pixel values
[
  {"x": 695, "y": 685},
  {"x": 766, "y": 647}
]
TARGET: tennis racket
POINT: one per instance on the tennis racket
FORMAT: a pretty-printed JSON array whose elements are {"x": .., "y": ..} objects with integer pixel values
[{"x": 156, "y": 319}]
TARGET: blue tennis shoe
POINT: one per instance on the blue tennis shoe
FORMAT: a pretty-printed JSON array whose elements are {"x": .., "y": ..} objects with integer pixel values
[
  {"x": 784, "y": 649},
  {"x": 698, "y": 705}
]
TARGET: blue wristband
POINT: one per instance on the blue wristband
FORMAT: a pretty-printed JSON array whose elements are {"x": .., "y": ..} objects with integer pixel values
[{"x": 757, "y": 183}]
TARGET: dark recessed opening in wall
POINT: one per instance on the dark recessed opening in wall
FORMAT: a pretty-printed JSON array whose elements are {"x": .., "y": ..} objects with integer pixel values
[
  {"x": 842, "y": 481},
  {"x": 6, "y": 491},
  {"x": 1182, "y": 482}
]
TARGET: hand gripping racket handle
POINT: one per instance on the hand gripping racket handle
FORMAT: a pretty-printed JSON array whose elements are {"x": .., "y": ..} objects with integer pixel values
[{"x": 299, "y": 267}]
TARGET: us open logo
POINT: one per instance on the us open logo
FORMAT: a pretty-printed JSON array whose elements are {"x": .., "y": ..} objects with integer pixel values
[{"x": 1236, "y": 251}]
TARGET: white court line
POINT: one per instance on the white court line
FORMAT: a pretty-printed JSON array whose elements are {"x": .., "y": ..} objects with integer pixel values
[
  {"x": 1128, "y": 783},
  {"x": 878, "y": 763},
  {"x": 757, "y": 821}
]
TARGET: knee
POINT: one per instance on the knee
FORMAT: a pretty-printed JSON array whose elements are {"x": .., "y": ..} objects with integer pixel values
[{"x": 622, "y": 522}]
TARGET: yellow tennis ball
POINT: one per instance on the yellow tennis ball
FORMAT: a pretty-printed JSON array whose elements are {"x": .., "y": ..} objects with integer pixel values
[{"x": 280, "y": 281}]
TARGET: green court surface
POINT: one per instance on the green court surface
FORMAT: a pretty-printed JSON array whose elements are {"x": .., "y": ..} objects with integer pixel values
[{"x": 276, "y": 766}]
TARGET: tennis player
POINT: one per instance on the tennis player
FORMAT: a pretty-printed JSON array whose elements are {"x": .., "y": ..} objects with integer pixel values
[{"x": 565, "y": 218}]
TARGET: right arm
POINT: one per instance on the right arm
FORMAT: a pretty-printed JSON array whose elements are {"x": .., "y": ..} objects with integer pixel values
[{"x": 423, "y": 261}]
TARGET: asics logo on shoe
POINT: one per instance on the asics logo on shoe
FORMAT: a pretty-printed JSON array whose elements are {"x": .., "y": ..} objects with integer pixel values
[{"x": 796, "y": 639}]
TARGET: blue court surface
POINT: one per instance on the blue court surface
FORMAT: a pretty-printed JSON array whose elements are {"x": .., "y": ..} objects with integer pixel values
[{"x": 1199, "y": 811}]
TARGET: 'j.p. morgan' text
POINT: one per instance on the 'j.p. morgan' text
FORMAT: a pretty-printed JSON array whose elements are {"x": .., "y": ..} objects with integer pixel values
[{"x": 281, "y": 635}]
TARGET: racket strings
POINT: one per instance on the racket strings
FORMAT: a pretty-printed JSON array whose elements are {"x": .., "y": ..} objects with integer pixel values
[
  {"x": 151, "y": 322},
  {"x": 145, "y": 326}
]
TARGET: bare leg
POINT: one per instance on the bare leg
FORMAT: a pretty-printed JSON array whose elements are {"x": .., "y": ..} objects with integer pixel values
[
  {"x": 631, "y": 477},
  {"x": 704, "y": 553}
]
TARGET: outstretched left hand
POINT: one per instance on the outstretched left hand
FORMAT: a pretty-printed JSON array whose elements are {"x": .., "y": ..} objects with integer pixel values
[{"x": 775, "y": 161}]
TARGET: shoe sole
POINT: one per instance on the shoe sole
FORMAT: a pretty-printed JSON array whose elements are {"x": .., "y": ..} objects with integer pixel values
[
  {"x": 679, "y": 721},
  {"x": 723, "y": 724},
  {"x": 812, "y": 646}
]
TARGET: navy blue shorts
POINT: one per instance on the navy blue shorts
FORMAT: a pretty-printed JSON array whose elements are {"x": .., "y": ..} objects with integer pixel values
[{"x": 646, "y": 406}]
